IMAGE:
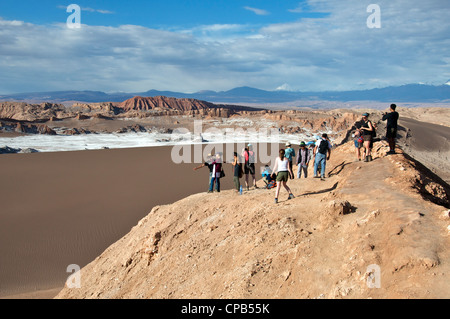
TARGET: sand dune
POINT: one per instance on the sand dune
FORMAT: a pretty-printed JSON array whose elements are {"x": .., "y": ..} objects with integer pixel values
[{"x": 65, "y": 208}]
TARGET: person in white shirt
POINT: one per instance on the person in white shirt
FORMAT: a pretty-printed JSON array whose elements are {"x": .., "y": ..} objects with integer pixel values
[{"x": 283, "y": 169}]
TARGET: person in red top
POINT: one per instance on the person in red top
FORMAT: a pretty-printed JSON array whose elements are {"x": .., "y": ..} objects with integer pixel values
[{"x": 249, "y": 164}]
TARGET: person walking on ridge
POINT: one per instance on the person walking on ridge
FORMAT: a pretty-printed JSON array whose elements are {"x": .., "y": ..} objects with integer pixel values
[
  {"x": 283, "y": 170},
  {"x": 367, "y": 131},
  {"x": 322, "y": 152}
]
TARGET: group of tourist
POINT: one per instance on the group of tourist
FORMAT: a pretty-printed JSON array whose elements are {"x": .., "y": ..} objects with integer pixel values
[
  {"x": 365, "y": 133},
  {"x": 244, "y": 164},
  {"x": 318, "y": 151}
]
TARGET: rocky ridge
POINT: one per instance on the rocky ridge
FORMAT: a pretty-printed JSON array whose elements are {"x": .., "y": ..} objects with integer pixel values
[{"x": 333, "y": 240}]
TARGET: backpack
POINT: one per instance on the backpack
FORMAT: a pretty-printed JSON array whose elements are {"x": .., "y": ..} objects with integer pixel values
[
  {"x": 323, "y": 147},
  {"x": 271, "y": 184},
  {"x": 374, "y": 131}
]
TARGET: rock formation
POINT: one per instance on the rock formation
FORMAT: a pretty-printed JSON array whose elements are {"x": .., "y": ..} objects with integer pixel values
[
  {"x": 31, "y": 112},
  {"x": 162, "y": 102}
]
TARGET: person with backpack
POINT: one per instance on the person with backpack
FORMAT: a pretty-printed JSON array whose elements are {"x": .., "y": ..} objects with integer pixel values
[
  {"x": 289, "y": 152},
  {"x": 322, "y": 152},
  {"x": 238, "y": 172},
  {"x": 249, "y": 164},
  {"x": 283, "y": 169},
  {"x": 367, "y": 131},
  {"x": 303, "y": 159}
]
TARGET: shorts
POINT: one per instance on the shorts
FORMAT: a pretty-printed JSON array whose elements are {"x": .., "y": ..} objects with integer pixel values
[
  {"x": 367, "y": 138},
  {"x": 391, "y": 132},
  {"x": 282, "y": 176},
  {"x": 249, "y": 168}
]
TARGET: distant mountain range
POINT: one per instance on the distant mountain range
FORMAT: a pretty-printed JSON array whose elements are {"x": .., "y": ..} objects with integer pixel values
[{"x": 404, "y": 93}]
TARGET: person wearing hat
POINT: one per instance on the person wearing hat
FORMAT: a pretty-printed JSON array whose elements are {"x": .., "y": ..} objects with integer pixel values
[
  {"x": 367, "y": 131},
  {"x": 208, "y": 164},
  {"x": 303, "y": 159},
  {"x": 249, "y": 164},
  {"x": 289, "y": 153}
]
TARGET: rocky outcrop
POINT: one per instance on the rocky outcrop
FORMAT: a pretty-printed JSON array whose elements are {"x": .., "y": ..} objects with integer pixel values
[
  {"x": 10, "y": 150},
  {"x": 26, "y": 128},
  {"x": 162, "y": 102},
  {"x": 31, "y": 112},
  {"x": 105, "y": 109}
]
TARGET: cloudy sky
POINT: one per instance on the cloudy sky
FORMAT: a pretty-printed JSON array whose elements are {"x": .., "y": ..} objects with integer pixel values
[{"x": 188, "y": 46}]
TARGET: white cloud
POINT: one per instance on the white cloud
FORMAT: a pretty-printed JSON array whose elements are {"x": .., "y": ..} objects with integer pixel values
[
  {"x": 96, "y": 10},
  {"x": 257, "y": 11},
  {"x": 284, "y": 87},
  {"x": 88, "y": 9},
  {"x": 336, "y": 52}
]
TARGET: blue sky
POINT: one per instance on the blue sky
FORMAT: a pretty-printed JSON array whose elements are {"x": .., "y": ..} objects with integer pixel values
[
  {"x": 188, "y": 46},
  {"x": 159, "y": 14}
]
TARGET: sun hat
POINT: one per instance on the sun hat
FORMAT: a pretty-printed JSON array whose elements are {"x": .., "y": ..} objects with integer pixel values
[
  {"x": 302, "y": 144},
  {"x": 366, "y": 114},
  {"x": 288, "y": 144}
]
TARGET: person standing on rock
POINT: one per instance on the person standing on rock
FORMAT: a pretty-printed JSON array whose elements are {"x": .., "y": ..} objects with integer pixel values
[
  {"x": 290, "y": 154},
  {"x": 322, "y": 153},
  {"x": 303, "y": 159},
  {"x": 249, "y": 164},
  {"x": 237, "y": 168},
  {"x": 367, "y": 131},
  {"x": 391, "y": 127},
  {"x": 283, "y": 169},
  {"x": 216, "y": 174},
  {"x": 208, "y": 163}
]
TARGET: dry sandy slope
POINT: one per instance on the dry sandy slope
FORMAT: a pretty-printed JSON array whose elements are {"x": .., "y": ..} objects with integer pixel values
[{"x": 314, "y": 246}]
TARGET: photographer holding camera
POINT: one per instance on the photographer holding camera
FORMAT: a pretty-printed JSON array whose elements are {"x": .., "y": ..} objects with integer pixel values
[{"x": 391, "y": 127}]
